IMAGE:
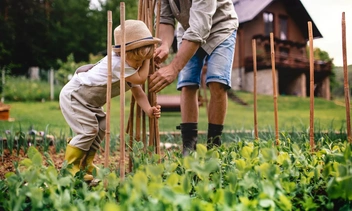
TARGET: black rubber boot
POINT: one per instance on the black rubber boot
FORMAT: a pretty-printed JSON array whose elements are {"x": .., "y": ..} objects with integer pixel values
[
  {"x": 189, "y": 132},
  {"x": 214, "y": 135}
]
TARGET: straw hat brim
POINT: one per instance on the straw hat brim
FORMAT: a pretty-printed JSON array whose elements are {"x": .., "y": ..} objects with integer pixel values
[{"x": 137, "y": 44}]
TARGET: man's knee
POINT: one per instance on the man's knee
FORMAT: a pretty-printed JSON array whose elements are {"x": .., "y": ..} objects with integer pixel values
[{"x": 217, "y": 88}]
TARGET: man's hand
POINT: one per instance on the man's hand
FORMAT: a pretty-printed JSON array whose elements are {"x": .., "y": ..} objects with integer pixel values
[
  {"x": 161, "y": 54},
  {"x": 161, "y": 78}
]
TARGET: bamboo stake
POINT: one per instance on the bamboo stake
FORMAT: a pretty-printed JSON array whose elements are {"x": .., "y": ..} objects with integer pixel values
[
  {"x": 311, "y": 65},
  {"x": 254, "y": 48},
  {"x": 204, "y": 86},
  {"x": 138, "y": 123},
  {"x": 140, "y": 7},
  {"x": 151, "y": 96},
  {"x": 157, "y": 136},
  {"x": 143, "y": 16},
  {"x": 108, "y": 91},
  {"x": 274, "y": 86},
  {"x": 122, "y": 92},
  {"x": 130, "y": 132},
  {"x": 345, "y": 71}
]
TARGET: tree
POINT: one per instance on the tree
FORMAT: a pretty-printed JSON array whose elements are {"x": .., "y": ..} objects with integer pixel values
[{"x": 41, "y": 32}]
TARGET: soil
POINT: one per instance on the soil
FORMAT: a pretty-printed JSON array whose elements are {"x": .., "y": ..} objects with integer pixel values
[{"x": 8, "y": 160}]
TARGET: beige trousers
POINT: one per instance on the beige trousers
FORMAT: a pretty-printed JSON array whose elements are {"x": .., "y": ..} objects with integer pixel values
[{"x": 82, "y": 108}]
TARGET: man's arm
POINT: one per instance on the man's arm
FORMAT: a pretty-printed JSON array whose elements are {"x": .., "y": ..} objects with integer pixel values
[
  {"x": 166, "y": 75},
  {"x": 166, "y": 34}
]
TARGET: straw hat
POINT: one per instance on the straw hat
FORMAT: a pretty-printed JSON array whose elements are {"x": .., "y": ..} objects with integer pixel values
[{"x": 137, "y": 35}]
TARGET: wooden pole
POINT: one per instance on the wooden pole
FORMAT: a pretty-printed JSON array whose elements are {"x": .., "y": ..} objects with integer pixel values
[
  {"x": 156, "y": 121},
  {"x": 108, "y": 91},
  {"x": 122, "y": 92},
  {"x": 130, "y": 132},
  {"x": 204, "y": 87},
  {"x": 140, "y": 9},
  {"x": 254, "y": 48},
  {"x": 345, "y": 71},
  {"x": 311, "y": 65},
  {"x": 151, "y": 95},
  {"x": 274, "y": 87}
]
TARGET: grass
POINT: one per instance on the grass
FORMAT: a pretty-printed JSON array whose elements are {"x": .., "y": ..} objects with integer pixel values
[{"x": 293, "y": 114}]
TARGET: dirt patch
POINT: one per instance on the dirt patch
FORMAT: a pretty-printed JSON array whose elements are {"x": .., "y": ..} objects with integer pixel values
[{"x": 8, "y": 159}]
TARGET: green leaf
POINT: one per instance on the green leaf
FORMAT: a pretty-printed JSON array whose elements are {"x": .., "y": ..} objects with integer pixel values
[
  {"x": 26, "y": 162},
  {"x": 186, "y": 183},
  {"x": 240, "y": 164},
  {"x": 268, "y": 154},
  {"x": 246, "y": 152},
  {"x": 65, "y": 181},
  {"x": 201, "y": 150},
  {"x": 282, "y": 158},
  {"x": 140, "y": 181},
  {"x": 266, "y": 203},
  {"x": 218, "y": 197},
  {"x": 285, "y": 202},
  {"x": 37, "y": 160},
  {"x": 173, "y": 179},
  {"x": 268, "y": 189},
  {"x": 110, "y": 206},
  {"x": 155, "y": 171}
]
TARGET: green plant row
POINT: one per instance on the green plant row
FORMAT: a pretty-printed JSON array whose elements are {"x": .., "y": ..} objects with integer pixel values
[
  {"x": 20, "y": 89},
  {"x": 241, "y": 175}
]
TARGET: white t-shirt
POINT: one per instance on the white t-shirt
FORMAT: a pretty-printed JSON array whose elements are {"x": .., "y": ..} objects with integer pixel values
[{"x": 98, "y": 75}]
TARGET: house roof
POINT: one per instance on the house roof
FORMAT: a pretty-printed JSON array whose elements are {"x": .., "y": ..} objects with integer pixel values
[{"x": 247, "y": 10}]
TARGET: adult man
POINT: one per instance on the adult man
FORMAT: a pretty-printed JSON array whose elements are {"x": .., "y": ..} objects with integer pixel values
[{"x": 208, "y": 30}]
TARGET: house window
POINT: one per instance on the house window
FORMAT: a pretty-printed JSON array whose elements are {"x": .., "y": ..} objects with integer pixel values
[
  {"x": 268, "y": 22},
  {"x": 283, "y": 27}
]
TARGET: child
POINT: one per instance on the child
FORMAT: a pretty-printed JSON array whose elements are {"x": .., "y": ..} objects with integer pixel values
[{"x": 82, "y": 98}]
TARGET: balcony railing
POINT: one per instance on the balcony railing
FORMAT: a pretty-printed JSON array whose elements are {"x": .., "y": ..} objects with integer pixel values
[{"x": 287, "y": 62}]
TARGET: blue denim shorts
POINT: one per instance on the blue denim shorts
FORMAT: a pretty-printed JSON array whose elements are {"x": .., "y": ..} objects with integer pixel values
[{"x": 219, "y": 65}]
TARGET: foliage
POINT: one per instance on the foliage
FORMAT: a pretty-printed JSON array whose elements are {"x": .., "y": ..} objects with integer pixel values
[
  {"x": 339, "y": 89},
  {"x": 243, "y": 175},
  {"x": 38, "y": 33},
  {"x": 24, "y": 90},
  {"x": 68, "y": 68}
]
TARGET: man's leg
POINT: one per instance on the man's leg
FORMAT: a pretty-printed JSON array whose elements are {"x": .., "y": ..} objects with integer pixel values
[
  {"x": 219, "y": 68},
  {"x": 189, "y": 115},
  {"x": 216, "y": 113},
  {"x": 189, "y": 83}
]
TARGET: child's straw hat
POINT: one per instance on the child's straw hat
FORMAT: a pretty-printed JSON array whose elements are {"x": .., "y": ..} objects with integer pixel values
[{"x": 137, "y": 35}]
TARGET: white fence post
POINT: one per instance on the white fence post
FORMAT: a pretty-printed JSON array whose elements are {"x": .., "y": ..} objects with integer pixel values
[{"x": 51, "y": 84}]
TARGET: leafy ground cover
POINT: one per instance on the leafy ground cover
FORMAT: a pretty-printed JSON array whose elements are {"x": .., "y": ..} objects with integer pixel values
[{"x": 242, "y": 174}]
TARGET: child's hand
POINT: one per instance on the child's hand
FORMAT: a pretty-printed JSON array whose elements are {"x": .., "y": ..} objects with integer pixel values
[{"x": 155, "y": 111}]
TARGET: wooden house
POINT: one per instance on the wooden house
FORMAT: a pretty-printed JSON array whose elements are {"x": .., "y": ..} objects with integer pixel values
[{"x": 288, "y": 20}]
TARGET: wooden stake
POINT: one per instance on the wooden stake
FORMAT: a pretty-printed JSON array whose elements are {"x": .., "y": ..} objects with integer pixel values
[
  {"x": 108, "y": 91},
  {"x": 204, "y": 87},
  {"x": 254, "y": 48},
  {"x": 345, "y": 71},
  {"x": 311, "y": 65},
  {"x": 274, "y": 86},
  {"x": 122, "y": 92},
  {"x": 156, "y": 121},
  {"x": 130, "y": 132},
  {"x": 140, "y": 7}
]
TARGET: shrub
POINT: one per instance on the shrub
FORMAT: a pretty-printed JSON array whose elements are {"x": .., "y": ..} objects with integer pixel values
[{"x": 23, "y": 89}]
